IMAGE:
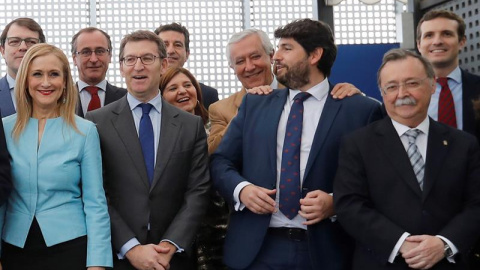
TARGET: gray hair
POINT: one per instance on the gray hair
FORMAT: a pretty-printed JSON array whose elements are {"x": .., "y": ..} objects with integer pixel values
[
  {"x": 266, "y": 43},
  {"x": 402, "y": 54}
]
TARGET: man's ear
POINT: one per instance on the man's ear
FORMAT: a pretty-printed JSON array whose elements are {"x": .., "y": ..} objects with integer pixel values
[{"x": 315, "y": 56}]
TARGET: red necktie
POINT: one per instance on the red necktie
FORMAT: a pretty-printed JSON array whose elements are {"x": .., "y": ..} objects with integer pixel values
[
  {"x": 446, "y": 106},
  {"x": 95, "y": 100}
]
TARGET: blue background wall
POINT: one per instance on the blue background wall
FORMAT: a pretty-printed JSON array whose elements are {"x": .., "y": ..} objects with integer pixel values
[{"x": 358, "y": 65}]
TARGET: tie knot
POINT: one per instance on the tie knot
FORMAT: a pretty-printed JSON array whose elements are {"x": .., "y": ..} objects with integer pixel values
[
  {"x": 412, "y": 135},
  {"x": 443, "y": 81},
  {"x": 93, "y": 90},
  {"x": 301, "y": 97},
  {"x": 146, "y": 107}
]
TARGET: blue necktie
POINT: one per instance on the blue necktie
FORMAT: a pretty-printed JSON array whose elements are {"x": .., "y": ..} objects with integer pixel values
[
  {"x": 290, "y": 192},
  {"x": 145, "y": 135}
]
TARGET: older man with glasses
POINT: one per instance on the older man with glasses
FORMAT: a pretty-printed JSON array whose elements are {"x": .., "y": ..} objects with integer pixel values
[
  {"x": 17, "y": 37},
  {"x": 92, "y": 53}
]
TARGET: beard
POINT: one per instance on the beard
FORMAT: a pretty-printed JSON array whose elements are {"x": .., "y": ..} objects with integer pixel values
[{"x": 295, "y": 76}]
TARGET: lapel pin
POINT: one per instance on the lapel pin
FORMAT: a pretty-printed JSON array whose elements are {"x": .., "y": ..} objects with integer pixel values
[{"x": 445, "y": 142}]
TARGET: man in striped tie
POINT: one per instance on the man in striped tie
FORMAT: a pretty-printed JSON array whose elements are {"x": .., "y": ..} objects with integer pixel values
[{"x": 407, "y": 187}]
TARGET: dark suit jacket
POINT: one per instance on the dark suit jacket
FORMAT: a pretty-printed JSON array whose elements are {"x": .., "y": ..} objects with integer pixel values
[
  {"x": 471, "y": 103},
  {"x": 177, "y": 199},
  {"x": 248, "y": 153},
  {"x": 209, "y": 95},
  {"x": 6, "y": 102},
  {"x": 377, "y": 196},
  {"x": 5, "y": 172},
  {"x": 112, "y": 93}
]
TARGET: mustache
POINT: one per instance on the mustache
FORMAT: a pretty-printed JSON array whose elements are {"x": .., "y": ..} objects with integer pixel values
[{"x": 405, "y": 101}]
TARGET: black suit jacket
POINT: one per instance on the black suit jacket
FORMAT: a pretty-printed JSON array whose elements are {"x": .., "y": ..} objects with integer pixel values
[
  {"x": 5, "y": 172},
  {"x": 377, "y": 196},
  {"x": 177, "y": 199},
  {"x": 112, "y": 93},
  {"x": 209, "y": 95},
  {"x": 471, "y": 103}
]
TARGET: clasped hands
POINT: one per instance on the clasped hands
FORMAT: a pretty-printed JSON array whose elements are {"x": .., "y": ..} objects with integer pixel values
[
  {"x": 422, "y": 251},
  {"x": 315, "y": 207},
  {"x": 151, "y": 257}
]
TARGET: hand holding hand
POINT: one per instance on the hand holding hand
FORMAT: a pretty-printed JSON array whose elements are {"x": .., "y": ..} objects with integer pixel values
[
  {"x": 146, "y": 257},
  {"x": 429, "y": 251}
]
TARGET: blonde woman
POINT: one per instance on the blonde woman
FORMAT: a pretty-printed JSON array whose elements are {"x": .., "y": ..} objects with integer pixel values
[{"x": 56, "y": 216}]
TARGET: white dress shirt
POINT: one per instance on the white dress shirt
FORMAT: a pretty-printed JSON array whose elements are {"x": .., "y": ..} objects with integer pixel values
[
  {"x": 85, "y": 96},
  {"x": 313, "y": 108}
]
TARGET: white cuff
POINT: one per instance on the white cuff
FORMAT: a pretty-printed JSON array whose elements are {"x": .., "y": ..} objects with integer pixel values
[
  {"x": 452, "y": 247},
  {"x": 179, "y": 249},
  {"x": 126, "y": 247},
  {"x": 397, "y": 247},
  {"x": 236, "y": 195}
]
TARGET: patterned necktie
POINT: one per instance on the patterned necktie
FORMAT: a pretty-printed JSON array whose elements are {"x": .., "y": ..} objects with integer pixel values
[
  {"x": 290, "y": 171},
  {"x": 414, "y": 155},
  {"x": 95, "y": 100},
  {"x": 145, "y": 134},
  {"x": 446, "y": 106}
]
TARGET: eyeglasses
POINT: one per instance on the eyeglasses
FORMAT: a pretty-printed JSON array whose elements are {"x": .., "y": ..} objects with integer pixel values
[
  {"x": 147, "y": 59},
  {"x": 16, "y": 41},
  {"x": 98, "y": 52},
  {"x": 393, "y": 88}
]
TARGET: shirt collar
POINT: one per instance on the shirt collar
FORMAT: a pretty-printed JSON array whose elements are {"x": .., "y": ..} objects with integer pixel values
[
  {"x": 156, "y": 102},
  {"x": 318, "y": 91},
  {"x": 456, "y": 75},
  {"x": 11, "y": 82},
  {"x": 401, "y": 129},
  {"x": 102, "y": 85}
]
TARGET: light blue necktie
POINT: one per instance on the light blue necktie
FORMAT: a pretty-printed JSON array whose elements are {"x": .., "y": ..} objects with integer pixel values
[{"x": 414, "y": 155}]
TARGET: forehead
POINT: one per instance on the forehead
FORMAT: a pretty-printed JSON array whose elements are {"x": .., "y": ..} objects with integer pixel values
[
  {"x": 141, "y": 47},
  {"x": 21, "y": 31},
  {"x": 249, "y": 45},
  {"x": 91, "y": 39},
  {"x": 48, "y": 61},
  {"x": 439, "y": 24},
  {"x": 172, "y": 36},
  {"x": 179, "y": 78},
  {"x": 287, "y": 42},
  {"x": 399, "y": 70}
]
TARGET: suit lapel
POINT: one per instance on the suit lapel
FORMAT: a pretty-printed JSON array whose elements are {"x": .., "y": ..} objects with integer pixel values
[
  {"x": 125, "y": 127},
  {"x": 395, "y": 153},
  {"x": 109, "y": 94},
  {"x": 275, "y": 111},
  {"x": 470, "y": 93},
  {"x": 6, "y": 102},
  {"x": 437, "y": 149},
  {"x": 330, "y": 111},
  {"x": 169, "y": 133},
  {"x": 78, "y": 109}
]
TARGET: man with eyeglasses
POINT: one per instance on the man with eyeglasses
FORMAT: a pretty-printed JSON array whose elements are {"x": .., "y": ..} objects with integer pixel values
[
  {"x": 407, "y": 187},
  {"x": 155, "y": 164},
  {"x": 17, "y": 37},
  {"x": 92, "y": 53}
]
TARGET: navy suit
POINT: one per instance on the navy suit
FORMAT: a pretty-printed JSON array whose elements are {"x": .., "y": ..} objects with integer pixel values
[
  {"x": 248, "y": 153},
  {"x": 209, "y": 95},
  {"x": 6, "y": 102},
  {"x": 112, "y": 93},
  {"x": 471, "y": 96}
]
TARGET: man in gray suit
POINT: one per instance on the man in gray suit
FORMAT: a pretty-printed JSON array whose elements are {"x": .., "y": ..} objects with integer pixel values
[
  {"x": 157, "y": 194},
  {"x": 92, "y": 53},
  {"x": 17, "y": 37}
]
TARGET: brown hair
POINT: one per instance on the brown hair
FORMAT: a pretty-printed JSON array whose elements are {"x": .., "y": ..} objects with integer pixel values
[
  {"x": 170, "y": 73},
  {"x": 143, "y": 35},
  {"x": 177, "y": 28},
  {"x": 73, "y": 43},
  {"x": 433, "y": 14},
  {"x": 25, "y": 22}
]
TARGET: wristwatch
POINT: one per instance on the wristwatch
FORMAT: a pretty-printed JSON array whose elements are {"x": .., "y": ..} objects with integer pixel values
[{"x": 448, "y": 253}]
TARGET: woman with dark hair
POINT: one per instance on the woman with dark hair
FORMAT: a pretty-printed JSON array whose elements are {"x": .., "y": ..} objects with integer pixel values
[{"x": 180, "y": 88}]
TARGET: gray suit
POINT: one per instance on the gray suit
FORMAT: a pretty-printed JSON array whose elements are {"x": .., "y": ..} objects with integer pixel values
[{"x": 176, "y": 201}]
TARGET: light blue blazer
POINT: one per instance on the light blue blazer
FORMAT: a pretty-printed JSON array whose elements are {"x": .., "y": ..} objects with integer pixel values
[{"x": 60, "y": 184}]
